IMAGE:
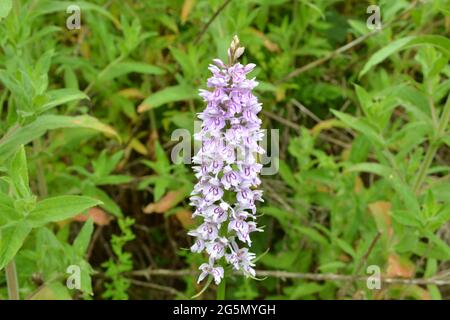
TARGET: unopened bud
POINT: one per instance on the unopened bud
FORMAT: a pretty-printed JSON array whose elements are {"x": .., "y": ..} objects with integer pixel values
[
  {"x": 239, "y": 52},
  {"x": 235, "y": 43}
]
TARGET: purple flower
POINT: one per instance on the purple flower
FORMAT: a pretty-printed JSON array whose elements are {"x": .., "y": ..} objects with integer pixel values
[
  {"x": 241, "y": 259},
  {"x": 208, "y": 268},
  {"x": 198, "y": 246},
  {"x": 216, "y": 249},
  {"x": 226, "y": 167},
  {"x": 216, "y": 214}
]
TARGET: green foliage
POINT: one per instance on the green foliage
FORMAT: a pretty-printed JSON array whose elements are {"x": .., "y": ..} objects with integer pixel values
[
  {"x": 115, "y": 268},
  {"x": 86, "y": 123}
]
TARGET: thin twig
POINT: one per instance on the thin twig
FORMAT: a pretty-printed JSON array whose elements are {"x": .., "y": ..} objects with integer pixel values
[
  {"x": 327, "y": 57},
  {"x": 305, "y": 110},
  {"x": 295, "y": 126},
  {"x": 439, "y": 281},
  {"x": 215, "y": 15},
  {"x": 158, "y": 287},
  {"x": 281, "y": 120},
  {"x": 272, "y": 193}
]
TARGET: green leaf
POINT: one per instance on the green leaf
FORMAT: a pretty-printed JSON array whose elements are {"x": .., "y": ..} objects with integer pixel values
[
  {"x": 108, "y": 203},
  {"x": 62, "y": 96},
  {"x": 441, "y": 244},
  {"x": 5, "y": 8},
  {"x": 345, "y": 247},
  {"x": 19, "y": 173},
  {"x": 8, "y": 213},
  {"x": 281, "y": 215},
  {"x": 364, "y": 98},
  {"x": 48, "y": 6},
  {"x": 413, "y": 101},
  {"x": 305, "y": 290},
  {"x": 60, "y": 208},
  {"x": 312, "y": 234},
  {"x": 86, "y": 282},
  {"x": 287, "y": 175},
  {"x": 406, "y": 218},
  {"x": 402, "y": 189},
  {"x": 161, "y": 185},
  {"x": 162, "y": 159},
  {"x": 375, "y": 168},
  {"x": 52, "y": 291},
  {"x": 81, "y": 242},
  {"x": 440, "y": 42},
  {"x": 23, "y": 135},
  {"x": 113, "y": 179},
  {"x": 123, "y": 68},
  {"x": 11, "y": 240},
  {"x": 360, "y": 125},
  {"x": 167, "y": 95}
]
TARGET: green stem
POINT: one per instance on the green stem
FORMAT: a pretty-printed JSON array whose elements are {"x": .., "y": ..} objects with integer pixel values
[
  {"x": 40, "y": 173},
  {"x": 221, "y": 290},
  {"x": 11, "y": 280},
  {"x": 434, "y": 145}
]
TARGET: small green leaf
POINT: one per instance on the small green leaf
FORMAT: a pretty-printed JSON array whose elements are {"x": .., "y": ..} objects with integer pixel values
[
  {"x": 52, "y": 6},
  {"x": 124, "y": 68},
  {"x": 108, "y": 203},
  {"x": 17, "y": 136},
  {"x": 83, "y": 238},
  {"x": 287, "y": 175},
  {"x": 11, "y": 240},
  {"x": 438, "y": 41},
  {"x": 360, "y": 125},
  {"x": 167, "y": 95},
  {"x": 345, "y": 247},
  {"x": 161, "y": 185},
  {"x": 444, "y": 247},
  {"x": 60, "y": 208},
  {"x": 19, "y": 173},
  {"x": 62, "y": 96},
  {"x": 313, "y": 235},
  {"x": 305, "y": 290},
  {"x": 5, "y": 8},
  {"x": 364, "y": 98},
  {"x": 8, "y": 213},
  {"x": 375, "y": 168}
]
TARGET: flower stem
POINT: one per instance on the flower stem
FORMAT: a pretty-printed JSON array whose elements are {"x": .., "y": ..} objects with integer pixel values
[
  {"x": 11, "y": 280},
  {"x": 221, "y": 289}
]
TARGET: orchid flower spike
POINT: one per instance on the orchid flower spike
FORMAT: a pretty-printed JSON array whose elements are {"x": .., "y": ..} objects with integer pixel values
[{"x": 227, "y": 168}]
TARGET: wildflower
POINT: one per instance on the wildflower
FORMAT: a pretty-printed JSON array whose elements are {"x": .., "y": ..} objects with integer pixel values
[
  {"x": 208, "y": 268},
  {"x": 226, "y": 167}
]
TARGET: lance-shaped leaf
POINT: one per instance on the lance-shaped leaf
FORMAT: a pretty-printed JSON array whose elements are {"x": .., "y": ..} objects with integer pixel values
[
  {"x": 17, "y": 136},
  {"x": 60, "y": 208},
  {"x": 167, "y": 95},
  {"x": 62, "y": 96},
  {"x": 83, "y": 238},
  {"x": 11, "y": 240},
  {"x": 440, "y": 42},
  {"x": 126, "y": 67}
]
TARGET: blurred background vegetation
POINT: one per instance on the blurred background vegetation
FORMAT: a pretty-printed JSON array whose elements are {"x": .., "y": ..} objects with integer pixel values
[{"x": 364, "y": 145}]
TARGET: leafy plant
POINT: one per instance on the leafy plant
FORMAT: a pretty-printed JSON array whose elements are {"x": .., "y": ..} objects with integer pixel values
[{"x": 115, "y": 269}]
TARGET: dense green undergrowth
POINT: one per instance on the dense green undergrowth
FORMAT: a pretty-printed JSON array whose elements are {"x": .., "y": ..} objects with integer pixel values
[{"x": 87, "y": 115}]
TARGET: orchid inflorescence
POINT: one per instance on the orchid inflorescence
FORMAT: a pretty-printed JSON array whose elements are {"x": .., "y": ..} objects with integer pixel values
[{"x": 227, "y": 167}]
